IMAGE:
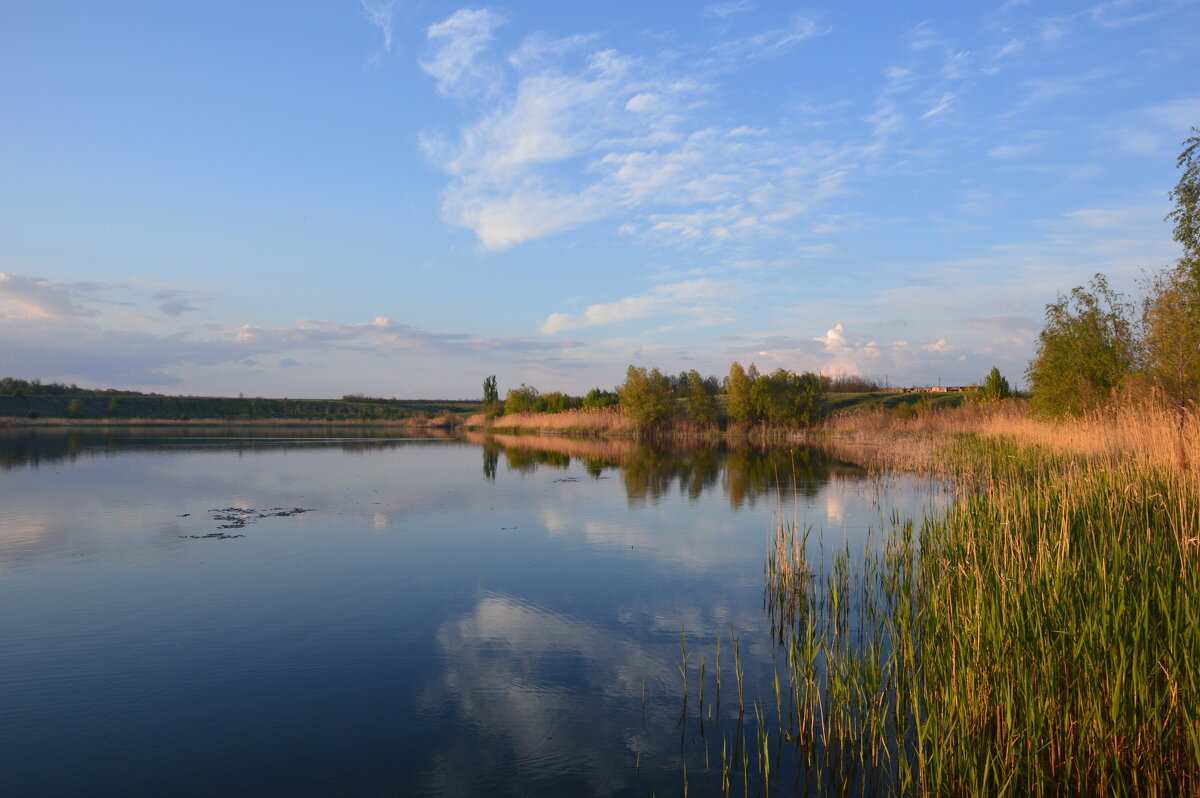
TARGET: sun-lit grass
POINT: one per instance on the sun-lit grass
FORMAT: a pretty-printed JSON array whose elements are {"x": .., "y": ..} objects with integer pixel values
[
  {"x": 1147, "y": 433},
  {"x": 598, "y": 422},
  {"x": 1040, "y": 635}
]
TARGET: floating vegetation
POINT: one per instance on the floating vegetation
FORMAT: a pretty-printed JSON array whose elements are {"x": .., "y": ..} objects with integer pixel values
[{"x": 238, "y": 517}]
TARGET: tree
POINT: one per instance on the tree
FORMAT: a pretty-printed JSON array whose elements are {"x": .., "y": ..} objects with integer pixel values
[
  {"x": 1186, "y": 195},
  {"x": 995, "y": 387},
  {"x": 557, "y": 402},
  {"x": 75, "y": 408},
  {"x": 1086, "y": 348},
  {"x": 701, "y": 403},
  {"x": 521, "y": 400},
  {"x": 646, "y": 397},
  {"x": 789, "y": 400},
  {"x": 491, "y": 397},
  {"x": 737, "y": 389},
  {"x": 1171, "y": 313},
  {"x": 598, "y": 399},
  {"x": 1171, "y": 319}
]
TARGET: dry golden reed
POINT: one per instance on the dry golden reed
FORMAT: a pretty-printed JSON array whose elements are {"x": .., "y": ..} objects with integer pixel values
[
  {"x": 1144, "y": 433},
  {"x": 599, "y": 422}
]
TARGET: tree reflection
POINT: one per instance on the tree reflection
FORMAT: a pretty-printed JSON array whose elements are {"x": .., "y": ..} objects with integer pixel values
[
  {"x": 744, "y": 471},
  {"x": 37, "y": 446}
]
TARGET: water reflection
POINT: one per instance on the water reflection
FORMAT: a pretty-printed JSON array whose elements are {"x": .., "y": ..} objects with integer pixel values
[
  {"x": 743, "y": 470},
  {"x": 428, "y": 628},
  {"x": 38, "y": 446}
]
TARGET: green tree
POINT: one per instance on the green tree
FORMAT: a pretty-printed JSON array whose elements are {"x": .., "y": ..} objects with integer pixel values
[
  {"x": 1086, "y": 348},
  {"x": 995, "y": 387},
  {"x": 521, "y": 400},
  {"x": 701, "y": 403},
  {"x": 1186, "y": 196},
  {"x": 646, "y": 398},
  {"x": 491, "y": 397},
  {"x": 1171, "y": 320},
  {"x": 558, "y": 402},
  {"x": 737, "y": 389},
  {"x": 598, "y": 399},
  {"x": 75, "y": 409},
  {"x": 1171, "y": 314},
  {"x": 785, "y": 399}
]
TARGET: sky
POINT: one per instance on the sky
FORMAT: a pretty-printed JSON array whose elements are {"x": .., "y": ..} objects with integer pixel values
[{"x": 401, "y": 197}]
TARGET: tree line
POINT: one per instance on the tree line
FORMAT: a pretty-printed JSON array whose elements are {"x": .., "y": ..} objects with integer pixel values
[
  {"x": 1098, "y": 345},
  {"x": 12, "y": 386},
  {"x": 654, "y": 400}
]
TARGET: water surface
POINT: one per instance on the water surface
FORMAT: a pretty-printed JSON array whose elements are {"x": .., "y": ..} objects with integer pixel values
[{"x": 449, "y": 616}]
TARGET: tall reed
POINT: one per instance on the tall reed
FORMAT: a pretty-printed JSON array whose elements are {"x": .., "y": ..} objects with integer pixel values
[{"x": 1039, "y": 637}]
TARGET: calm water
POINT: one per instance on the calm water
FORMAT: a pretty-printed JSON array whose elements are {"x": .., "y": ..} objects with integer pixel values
[{"x": 449, "y": 617}]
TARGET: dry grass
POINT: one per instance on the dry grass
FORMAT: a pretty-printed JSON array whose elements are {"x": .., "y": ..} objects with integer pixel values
[
  {"x": 1146, "y": 434},
  {"x": 598, "y": 422}
]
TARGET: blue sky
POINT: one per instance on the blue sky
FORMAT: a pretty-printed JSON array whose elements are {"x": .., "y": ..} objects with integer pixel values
[{"x": 399, "y": 198}]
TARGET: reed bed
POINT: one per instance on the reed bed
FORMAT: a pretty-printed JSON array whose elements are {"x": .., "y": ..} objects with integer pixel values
[
  {"x": 597, "y": 422},
  {"x": 1038, "y": 636},
  {"x": 1146, "y": 432},
  {"x": 1055, "y": 629}
]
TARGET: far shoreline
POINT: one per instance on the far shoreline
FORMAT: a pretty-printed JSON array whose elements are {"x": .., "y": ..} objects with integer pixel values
[{"x": 21, "y": 423}]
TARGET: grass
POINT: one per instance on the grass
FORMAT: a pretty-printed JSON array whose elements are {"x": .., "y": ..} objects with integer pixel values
[
  {"x": 1040, "y": 636},
  {"x": 1054, "y": 633}
]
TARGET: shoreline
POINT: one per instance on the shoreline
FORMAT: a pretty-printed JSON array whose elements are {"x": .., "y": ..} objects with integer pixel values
[{"x": 20, "y": 423}]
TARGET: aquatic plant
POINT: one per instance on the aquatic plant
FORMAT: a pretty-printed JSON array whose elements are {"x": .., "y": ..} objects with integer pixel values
[{"x": 1040, "y": 636}]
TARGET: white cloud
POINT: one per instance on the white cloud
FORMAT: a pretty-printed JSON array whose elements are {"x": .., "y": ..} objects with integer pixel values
[
  {"x": 942, "y": 105},
  {"x": 459, "y": 40},
  {"x": 723, "y": 10},
  {"x": 772, "y": 42},
  {"x": 37, "y": 298},
  {"x": 1158, "y": 129},
  {"x": 1109, "y": 218},
  {"x": 698, "y": 297},
  {"x": 524, "y": 213},
  {"x": 57, "y": 341},
  {"x": 585, "y": 133},
  {"x": 381, "y": 14},
  {"x": 940, "y": 346},
  {"x": 1007, "y": 151}
]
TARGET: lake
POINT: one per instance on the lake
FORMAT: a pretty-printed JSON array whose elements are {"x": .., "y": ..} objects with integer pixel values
[{"x": 250, "y": 612}]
